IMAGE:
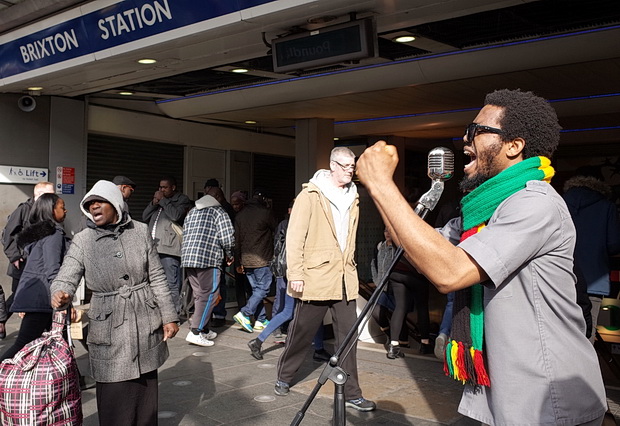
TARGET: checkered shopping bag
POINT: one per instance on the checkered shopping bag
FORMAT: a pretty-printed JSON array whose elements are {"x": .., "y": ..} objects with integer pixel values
[{"x": 40, "y": 385}]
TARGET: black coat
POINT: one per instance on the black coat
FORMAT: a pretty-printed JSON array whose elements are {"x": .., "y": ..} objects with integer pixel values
[{"x": 44, "y": 245}]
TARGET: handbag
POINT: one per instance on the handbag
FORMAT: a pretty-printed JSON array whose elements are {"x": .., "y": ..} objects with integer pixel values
[
  {"x": 178, "y": 229},
  {"x": 40, "y": 385}
]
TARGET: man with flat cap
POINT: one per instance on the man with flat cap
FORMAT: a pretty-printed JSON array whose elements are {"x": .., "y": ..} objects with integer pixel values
[{"x": 126, "y": 186}]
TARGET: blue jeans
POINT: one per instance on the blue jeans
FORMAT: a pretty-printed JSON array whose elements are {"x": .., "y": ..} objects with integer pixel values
[
  {"x": 446, "y": 322},
  {"x": 172, "y": 268},
  {"x": 219, "y": 311},
  {"x": 260, "y": 281},
  {"x": 285, "y": 313}
]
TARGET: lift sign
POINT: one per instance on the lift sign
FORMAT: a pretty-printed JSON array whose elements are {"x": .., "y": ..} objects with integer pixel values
[{"x": 23, "y": 174}]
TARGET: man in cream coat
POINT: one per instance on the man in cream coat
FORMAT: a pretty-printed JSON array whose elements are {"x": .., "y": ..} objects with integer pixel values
[{"x": 320, "y": 246}]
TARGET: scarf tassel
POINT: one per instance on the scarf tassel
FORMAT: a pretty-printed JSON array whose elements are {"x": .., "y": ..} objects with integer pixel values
[
  {"x": 481, "y": 372},
  {"x": 465, "y": 365}
]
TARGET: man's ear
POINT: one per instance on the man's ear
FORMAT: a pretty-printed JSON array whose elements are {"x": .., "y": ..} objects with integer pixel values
[{"x": 515, "y": 147}]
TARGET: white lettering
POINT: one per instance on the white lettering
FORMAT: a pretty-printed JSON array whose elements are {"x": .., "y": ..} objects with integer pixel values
[
  {"x": 147, "y": 21},
  {"x": 49, "y": 46},
  {"x": 25, "y": 56},
  {"x": 105, "y": 33},
  {"x": 129, "y": 14},
  {"x": 122, "y": 25},
  {"x": 161, "y": 10},
  {"x": 71, "y": 39},
  {"x": 109, "y": 20},
  {"x": 135, "y": 19},
  {"x": 60, "y": 42}
]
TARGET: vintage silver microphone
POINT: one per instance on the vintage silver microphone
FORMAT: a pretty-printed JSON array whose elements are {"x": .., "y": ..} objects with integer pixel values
[{"x": 440, "y": 169}]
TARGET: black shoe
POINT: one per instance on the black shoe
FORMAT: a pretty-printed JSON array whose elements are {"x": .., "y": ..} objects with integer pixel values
[
  {"x": 255, "y": 346},
  {"x": 394, "y": 352},
  {"x": 217, "y": 322},
  {"x": 281, "y": 389},
  {"x": 425, "y": 349},
  {"x": 321, "y": 356}
]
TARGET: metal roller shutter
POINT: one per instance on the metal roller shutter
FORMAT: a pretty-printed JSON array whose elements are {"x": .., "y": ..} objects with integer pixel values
[{"x": 143, "y": 162}]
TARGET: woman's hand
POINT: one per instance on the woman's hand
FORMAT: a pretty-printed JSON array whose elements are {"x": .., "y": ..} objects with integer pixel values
[
  {"x": 60, "y": 298},
  {"x": 170, "y": 330}
]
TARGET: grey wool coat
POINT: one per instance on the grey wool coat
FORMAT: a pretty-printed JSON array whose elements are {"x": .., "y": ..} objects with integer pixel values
[{"x": 130, "y": 302}]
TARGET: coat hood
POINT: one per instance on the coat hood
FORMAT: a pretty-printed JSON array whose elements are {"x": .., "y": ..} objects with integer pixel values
[
  {"x": 207, "y": 201},
  {"x": 341, "y": 199},
  {"x": 35, "y": 232},
  {"x": 106, "y": 191},
  {"x": 583, "y": 191}
]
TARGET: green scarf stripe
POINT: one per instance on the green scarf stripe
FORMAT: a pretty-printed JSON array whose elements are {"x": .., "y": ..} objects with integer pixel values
[
  {"x": 479, "y": 205},
  {"x": 476, "y": 315}
]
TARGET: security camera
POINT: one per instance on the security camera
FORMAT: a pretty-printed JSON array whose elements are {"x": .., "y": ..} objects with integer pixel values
[{"x": 26, "y": 103}]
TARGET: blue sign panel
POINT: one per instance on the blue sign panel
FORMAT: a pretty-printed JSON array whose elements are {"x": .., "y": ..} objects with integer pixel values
[{"x": 112, "y": 26}]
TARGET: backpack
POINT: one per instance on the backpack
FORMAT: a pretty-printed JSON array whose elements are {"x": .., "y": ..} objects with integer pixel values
[
  {"x": 278, "y": 263},
  {"x": 40, "y": 385}
]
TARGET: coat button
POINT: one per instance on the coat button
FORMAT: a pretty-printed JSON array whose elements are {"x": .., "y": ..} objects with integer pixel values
[
  {"x": 125, "y": 277},
  {"x": 118, "y": 254},
  {"x": 115, "y": 238}
]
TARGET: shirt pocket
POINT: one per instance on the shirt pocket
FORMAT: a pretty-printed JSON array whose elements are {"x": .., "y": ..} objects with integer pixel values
[
  {"x": 154, "y": 314},
  {"x": 100, "y": 319},
  {"x": 169, "y": 238}
]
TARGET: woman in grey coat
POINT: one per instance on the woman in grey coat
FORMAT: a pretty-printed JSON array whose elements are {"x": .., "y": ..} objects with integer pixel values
[{"x": 131, "y": 310}]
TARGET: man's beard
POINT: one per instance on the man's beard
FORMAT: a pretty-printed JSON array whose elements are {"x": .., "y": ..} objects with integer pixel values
[
  {"x": 487, "y": 169},
  {"x": 468, "y": 184}
]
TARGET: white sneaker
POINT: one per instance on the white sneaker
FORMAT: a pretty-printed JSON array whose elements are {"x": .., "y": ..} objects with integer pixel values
[
  {"x": 198, "y": 339},
  {"x": 440, "y": 346},
  {"x": 210, "y": 335}
]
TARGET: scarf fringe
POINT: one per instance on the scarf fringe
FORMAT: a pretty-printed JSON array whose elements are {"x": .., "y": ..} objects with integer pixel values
[{"x": 465, "y": 364}]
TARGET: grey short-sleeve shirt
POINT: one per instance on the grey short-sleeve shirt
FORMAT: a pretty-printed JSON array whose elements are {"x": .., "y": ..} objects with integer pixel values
[{"x": 543, "y": 369}]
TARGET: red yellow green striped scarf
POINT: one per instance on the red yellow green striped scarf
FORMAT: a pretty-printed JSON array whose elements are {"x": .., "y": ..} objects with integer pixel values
[{"x": 464, "y": 359}]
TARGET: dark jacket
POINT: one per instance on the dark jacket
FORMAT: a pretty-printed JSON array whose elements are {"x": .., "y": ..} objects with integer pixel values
[
  {"x": 44, "y": 245},
  {"x": 254, "y": 227},
  {"x": 16, "y": 222},
  {"x": 598, "y": 230}
]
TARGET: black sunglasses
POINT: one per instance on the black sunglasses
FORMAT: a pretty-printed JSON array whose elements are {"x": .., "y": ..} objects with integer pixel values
[{"x": 475, "y": 129}]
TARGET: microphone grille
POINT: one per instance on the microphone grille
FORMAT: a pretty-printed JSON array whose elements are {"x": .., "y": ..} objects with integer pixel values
[{"x": 440, "y": 164}]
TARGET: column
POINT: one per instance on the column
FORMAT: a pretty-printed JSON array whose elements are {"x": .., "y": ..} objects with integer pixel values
[{"x": 314, "y": 140}]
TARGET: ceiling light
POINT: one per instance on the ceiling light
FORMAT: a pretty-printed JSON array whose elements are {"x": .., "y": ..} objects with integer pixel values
[
  {"x": 250, "y": 122},
  {"x": 125, "y": 93},
  {"x": 336, "y": 139},
  {"x": 146, "y": 61},
  {"x": 35, "y": 88},
  {"x": 239, "y": 70},
  {"x": 404, "y": 39}
]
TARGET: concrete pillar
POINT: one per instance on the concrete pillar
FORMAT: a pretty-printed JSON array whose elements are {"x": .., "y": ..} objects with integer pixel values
[{"x": 314, "y": 140}]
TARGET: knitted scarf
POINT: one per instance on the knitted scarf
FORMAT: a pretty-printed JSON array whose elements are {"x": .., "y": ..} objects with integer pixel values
[{"x": 464, "y": 359}]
